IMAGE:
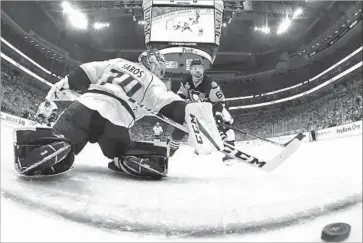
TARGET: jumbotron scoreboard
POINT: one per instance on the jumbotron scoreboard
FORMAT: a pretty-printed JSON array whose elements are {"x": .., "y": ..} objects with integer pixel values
[{"x": 183, "y": 30}]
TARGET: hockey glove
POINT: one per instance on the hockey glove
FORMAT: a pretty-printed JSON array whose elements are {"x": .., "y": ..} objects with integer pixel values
[{"x": 219, "y": 118}]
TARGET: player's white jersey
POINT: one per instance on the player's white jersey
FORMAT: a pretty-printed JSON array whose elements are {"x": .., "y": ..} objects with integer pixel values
[
  {"x": 47, "y": 110},
  {"x": 113, "y": 80},
  {"x": 158, "y": 130}
]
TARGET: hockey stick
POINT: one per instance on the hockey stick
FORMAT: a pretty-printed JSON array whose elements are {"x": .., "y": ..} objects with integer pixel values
[
  {"x": 232, "y": 151},
  {"x": 262, "y": 138}
]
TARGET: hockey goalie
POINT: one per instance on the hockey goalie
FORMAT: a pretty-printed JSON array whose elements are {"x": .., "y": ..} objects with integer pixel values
[{"x": 104, "y": 113}]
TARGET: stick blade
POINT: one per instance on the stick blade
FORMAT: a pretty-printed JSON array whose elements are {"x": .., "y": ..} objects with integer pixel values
[
  {"x": 299, "y": 137},
  {"x": 286, "y": 153},
  {"x": 265, "y": 165}
]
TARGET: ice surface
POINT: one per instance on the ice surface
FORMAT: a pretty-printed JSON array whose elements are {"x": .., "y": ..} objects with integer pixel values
[{"x": 201, "y": 199}]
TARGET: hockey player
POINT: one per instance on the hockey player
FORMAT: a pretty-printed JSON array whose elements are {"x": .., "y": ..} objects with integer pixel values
[
  {"x": 186, "y": 27},
  {"x": 198, "y": 87},
  {"x": 103, "y": 114},
  {"x": 200, "y": 31},
  {"x": 197, "y": 17},
  {"x": 177, "y": 26},
  {"x": 47, "y": 113},
  {"x": 158, "y": 130}
]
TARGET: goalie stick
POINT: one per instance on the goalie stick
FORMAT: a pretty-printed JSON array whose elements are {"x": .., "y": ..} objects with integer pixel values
[{"x": 229, "y": 150}]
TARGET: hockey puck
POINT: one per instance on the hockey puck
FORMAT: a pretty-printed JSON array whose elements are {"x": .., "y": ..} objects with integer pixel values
[{"x": 335, "y": 232}]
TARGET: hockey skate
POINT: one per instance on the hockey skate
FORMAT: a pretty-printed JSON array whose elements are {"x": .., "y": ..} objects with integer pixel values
[
  {"x": 172, "y": 152},
  {"x": 227, "y": 160},
  {"x": 113, "y": 165},
  {"x": 173, "y": 146}
]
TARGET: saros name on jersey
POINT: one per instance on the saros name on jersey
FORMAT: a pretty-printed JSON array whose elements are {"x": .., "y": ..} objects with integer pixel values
[{"x": 136, "y": 71}]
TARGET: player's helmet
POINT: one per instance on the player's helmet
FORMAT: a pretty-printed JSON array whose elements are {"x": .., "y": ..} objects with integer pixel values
[
  {"x": 47, "y": 103},
  {"x": 154, "y": 61},
  {"x": 197, "y": 70}
]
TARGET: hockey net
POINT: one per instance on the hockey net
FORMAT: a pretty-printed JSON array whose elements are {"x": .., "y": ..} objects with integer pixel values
[{"x": 169, "y": 24}]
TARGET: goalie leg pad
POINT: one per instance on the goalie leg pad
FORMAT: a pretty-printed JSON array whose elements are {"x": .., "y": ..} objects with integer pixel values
[
  {"x": 203, "y": 132},
  {"x": 153, "y": 167},
  {"x": 144, "y": 160},
  {"x": 140, "y": 148},
  {"x": 40, "y": 152}
]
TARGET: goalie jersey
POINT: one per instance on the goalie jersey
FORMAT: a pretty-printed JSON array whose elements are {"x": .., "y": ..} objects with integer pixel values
[
  {"x": 111, "y": 82},
  {"x": 207, "y": 91}
]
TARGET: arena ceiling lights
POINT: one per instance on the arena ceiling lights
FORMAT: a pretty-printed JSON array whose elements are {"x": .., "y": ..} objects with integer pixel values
[
  {"x": 297, "y": 13},
  {"x": 286, "y": 23},
  {"x": 75, "y": 17},
  {"x": 100, "y": 25},
  {"x": 284, "y": 26},
  {"x": 265, "y": 29}
]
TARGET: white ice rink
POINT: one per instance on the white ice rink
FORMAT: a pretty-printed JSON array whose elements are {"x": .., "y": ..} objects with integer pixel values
[{"x": 200, "y": 200}]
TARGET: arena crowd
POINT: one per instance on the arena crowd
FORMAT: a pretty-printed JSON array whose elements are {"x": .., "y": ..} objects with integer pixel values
[{"x": 334, "y": 105}]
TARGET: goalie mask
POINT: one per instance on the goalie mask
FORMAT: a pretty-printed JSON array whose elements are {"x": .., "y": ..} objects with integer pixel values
[
  {"x": 197, "y": 71},
  {"x": 154, "y": 61}
]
